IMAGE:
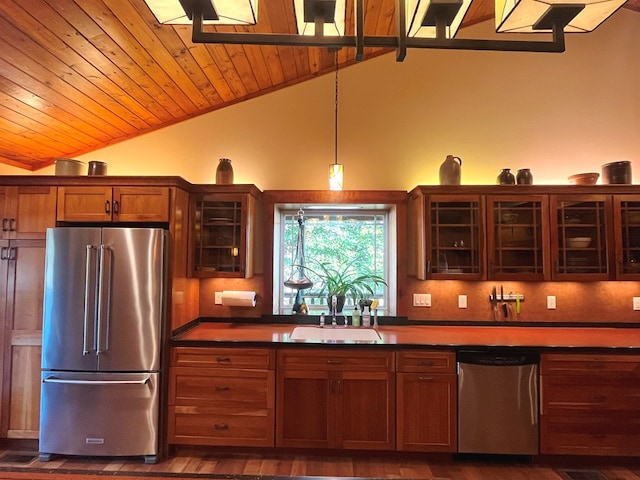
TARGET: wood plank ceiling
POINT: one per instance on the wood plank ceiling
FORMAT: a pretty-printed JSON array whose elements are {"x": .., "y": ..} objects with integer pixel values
[{"x": 78, "y": 75}]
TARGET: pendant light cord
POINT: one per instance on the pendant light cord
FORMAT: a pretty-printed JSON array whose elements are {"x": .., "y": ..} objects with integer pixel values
[{"x": 335, "y": 141}]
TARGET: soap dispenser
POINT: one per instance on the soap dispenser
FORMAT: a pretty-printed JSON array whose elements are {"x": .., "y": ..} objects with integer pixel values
[
  {"x": 366, "y": 316},
  {"x": 355, "y": 316}
]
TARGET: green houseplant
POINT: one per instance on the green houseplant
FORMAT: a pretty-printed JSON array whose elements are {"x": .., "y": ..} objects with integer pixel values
[{"x": 344, "y": 281}]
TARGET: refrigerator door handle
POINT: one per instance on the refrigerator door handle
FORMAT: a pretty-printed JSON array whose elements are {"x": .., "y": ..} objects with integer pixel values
[
  {"x": 104, "y": 299},
  {"x": 53, "y": 379},
  {"x": 88, "y": 334}
]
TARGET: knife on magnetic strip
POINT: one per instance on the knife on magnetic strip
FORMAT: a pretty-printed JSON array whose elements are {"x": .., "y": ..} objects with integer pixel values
[{"x": 494, "y": 303}]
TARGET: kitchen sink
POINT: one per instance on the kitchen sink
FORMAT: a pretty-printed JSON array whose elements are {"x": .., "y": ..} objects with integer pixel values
[{"x": 335, "y": 334}]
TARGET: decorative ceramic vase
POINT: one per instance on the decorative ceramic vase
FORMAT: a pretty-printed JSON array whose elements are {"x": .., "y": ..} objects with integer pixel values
[
  {"x": 506, "y": 177},
  {"x": 224, "y": 172},
  {"x": 524, "y": 177},
  {"x": 450, "y": 171}
]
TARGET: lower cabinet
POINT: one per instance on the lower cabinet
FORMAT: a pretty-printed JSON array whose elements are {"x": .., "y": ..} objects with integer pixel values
[
  {"x": 590, "y": 404},
  {"x": 221, "y": 396},
  {"x": 335, "y": 398},
  {"x": 426, "y": 394}
]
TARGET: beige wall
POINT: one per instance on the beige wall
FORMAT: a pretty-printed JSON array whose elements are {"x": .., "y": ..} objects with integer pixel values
[{"x": 555, "y": 113}]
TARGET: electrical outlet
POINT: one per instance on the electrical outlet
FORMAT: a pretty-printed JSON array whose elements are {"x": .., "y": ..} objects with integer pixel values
[
  {"x": 218, "y": 298},
  {"x": 636, "y": 303},
  {"x": 462, "y": 301},
  {"x": 551, "y": 302},
  {"x": 421, "y": 299}
]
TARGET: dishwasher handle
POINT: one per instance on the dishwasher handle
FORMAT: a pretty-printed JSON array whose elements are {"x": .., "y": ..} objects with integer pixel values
[{"x": 506, "y": 358}]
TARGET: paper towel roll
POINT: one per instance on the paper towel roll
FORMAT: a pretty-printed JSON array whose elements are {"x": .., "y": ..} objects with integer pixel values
[{"x": 238, "y": 298}]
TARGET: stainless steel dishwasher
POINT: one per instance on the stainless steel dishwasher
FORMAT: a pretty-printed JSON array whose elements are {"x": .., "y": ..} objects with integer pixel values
[{"x": 498, "y": 402}]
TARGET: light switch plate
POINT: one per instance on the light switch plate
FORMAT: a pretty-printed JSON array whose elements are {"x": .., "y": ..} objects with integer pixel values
[
  {"x": 462, "y": 301},
  {"x": 421, "y": 299},
  {"x": 218, "y": 298},
  {"x": 551, "y": 302},
  {"x": 636, "y": 303}
]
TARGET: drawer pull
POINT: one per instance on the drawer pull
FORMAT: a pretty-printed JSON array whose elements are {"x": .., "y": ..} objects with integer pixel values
[
  {"x": 221, "y": 426},
  {"x": 426, "y": 363},
  {"x": 596, "y": 365},
  {"x": 426, "y": 379},
  {"x": 597, "y": 398},
  {"x": 334, "y": 362},
  {"x": 221, "y": 388},
  {"x": 223, "y": 360},
  {"x": 598, "y": 436}
]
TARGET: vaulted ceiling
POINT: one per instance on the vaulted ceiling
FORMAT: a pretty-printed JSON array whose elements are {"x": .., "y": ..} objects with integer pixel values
[{"x": 78, "y": 75}]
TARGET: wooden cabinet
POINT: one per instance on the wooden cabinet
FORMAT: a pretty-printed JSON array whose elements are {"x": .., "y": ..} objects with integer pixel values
[
  {"x": 627, "y": 236},
  {"x": 426, "y": 400},
  {"x": 113, "y": 204},
  {"x": 450, "y": 236},
  {"x": 518, "y": 240},
  {"x": 590, "y": 404},
  {"x": 27, "y": 212},
  {"x": 224, "y": 233},
  {"x": 335, "y": 398},
  {"x": 221, "y": 396},
  {"x": 582, "y": 237}
]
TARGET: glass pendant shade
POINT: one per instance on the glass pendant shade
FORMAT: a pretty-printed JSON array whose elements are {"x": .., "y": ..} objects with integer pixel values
[
  {"x": 421, "y": 21},
  {"x": 216, "y": 12},
  {"x": 332, "y": 11},
  {"x": 336, "y": 176},
  {"x": 521, "y": 16}
]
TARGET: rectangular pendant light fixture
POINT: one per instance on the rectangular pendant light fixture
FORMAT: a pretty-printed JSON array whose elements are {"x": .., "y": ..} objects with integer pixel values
[
  {"x": 535, "y": 16},
  {"x": 336, "y": 176},
  {"x": 310, "y": 14},
  {"x": 215, "y": 12},
  {"x": 424, "y": 16}
]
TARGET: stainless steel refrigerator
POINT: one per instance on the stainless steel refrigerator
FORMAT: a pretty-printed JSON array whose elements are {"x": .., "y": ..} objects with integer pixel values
[{"x": 102, "y": 329}]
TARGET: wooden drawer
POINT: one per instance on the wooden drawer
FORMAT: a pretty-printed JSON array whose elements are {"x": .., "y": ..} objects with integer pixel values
[
  {"x": 336, "y": 359},
  {"x": 569, "y": 364},
  {"x": 211, "y": 426},
  {"x": 589, "y": 436},
  {"x": 261, "y": 358},
  {"x": 426, "y": 361},
  {"x": 225, "y": 388},
  {"x": 570, "y": 395}
]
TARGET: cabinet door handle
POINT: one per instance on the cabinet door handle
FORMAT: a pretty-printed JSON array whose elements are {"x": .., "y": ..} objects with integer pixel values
[
  {"x": 221, "y": 388},
  {"x": 426, "y": 379},
  {"x": 5, "y": 223},
  {"x": 12, "y": 253},
  {"x": 223, "y": 360},
  {"x": 221, "y": 426},
  {"x": 12, "y": 224},
  {"x": 3, "y": 253},
  {"x": 107, "y": 207},
  {"x": 116, "y": 207}
]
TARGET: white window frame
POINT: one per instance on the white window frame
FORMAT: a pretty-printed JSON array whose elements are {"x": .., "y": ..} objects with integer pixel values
[{"x": 390, "y": 261}]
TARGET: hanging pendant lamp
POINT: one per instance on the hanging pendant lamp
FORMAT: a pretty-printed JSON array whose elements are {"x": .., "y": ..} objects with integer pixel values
[{"x": 336, "y": 170}]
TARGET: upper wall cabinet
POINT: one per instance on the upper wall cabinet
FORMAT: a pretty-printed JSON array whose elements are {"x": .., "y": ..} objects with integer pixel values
[
  {"x": 450, "y": 242},
  {"x": 518, "y": 246},
  {"x": 225, "y": 225},
  {"x": 27, "y": 211},
  {"x": 581, "y": 242},
  {"x": 627, "y": 239},
  {"x": 113, "y": 204},
  {"x": 532, "y": 233}
]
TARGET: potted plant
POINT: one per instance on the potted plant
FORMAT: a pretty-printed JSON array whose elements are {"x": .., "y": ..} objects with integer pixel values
[{"x": 344, "y": 281}]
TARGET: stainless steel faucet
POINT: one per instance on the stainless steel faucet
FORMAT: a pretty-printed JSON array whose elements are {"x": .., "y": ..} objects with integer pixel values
[{"x": 334, "y": 304}]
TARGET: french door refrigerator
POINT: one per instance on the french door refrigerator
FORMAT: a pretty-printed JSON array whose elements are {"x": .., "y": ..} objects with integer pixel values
[{"x": 102, "y": 329}]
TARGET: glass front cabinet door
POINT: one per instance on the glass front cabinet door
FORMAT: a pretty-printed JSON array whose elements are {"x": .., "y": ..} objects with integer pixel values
[
  {"x": 627, "y": 231},
  {"x": 580, "y": 242},
  {"x": 455, "y": 237},
  {"x": 518, "y": 237}
]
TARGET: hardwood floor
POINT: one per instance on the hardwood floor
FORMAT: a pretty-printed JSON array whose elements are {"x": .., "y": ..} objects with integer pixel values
[{"x": 189, "y": 464}]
